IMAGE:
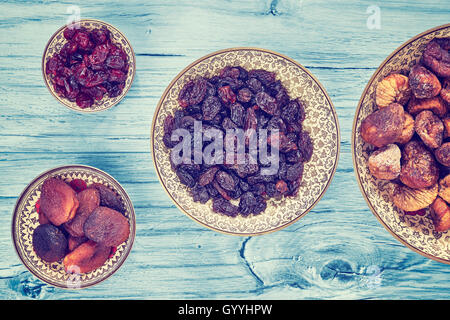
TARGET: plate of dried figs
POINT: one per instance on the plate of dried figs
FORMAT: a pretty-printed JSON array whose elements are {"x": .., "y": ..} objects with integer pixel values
[
  {"x": 245, "y": 141},
  {"x": 88, "y": 66},
  {"x": 73, "y": 226},
  {"x": 401, "y": 143}
]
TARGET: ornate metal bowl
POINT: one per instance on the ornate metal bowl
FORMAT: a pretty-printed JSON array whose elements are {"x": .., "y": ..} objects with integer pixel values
[
  {"x": 321, "y": 122},
  {"x": 416, "y": 232},
  {"x": 26, "y": 219},
  {"x": 57, "y": 41}
]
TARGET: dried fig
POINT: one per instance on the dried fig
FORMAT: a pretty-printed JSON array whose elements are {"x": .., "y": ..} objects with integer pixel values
[
  {"x": 87, "y": 257},
  {"x": 409, "y": 199},
  {"x": 444, "y": 188},
  {"x": 435, "y": 104},
  {"x": 429, "y": 128},
  {"x": 442, "y": 154},
  {"x": 383, "y": 126},
  {"x": 408, "y": 129},
  {"x": 393, "y": 88},
  {"x": 423, "y": 83},
  {"x": 440, "y": 214},
  {"x": 419, "y": 169},
  {"x": 437, "y": 57},
  {"x": 445, "y": 91},
  {"x": 446, "y": 122},
  {"x": 384, "y": 163}
]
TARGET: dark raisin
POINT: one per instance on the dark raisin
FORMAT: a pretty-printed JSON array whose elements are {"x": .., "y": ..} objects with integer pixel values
[
  {"x": 227, "y": 95},
  {"x": 200, "y": 194},
  {"x": 266, "y": 77},
  {"x": 192, "y": 93},
  {"x": 225, "y": 207},
  {"x": 211, "y": 107},
  {"x": 237, "y": 113},
  {"x": 254, "y": 85},
  {"x": 305, "y": 145},
  {"x": 208, "y": 176},
  {"x": 225, "y": 180},
  {"x": 294, "y": 172},
  {"x": 185, "y": 177},
  {"x": 244, "y": 95},
  {"x": 247, "y": 203}
]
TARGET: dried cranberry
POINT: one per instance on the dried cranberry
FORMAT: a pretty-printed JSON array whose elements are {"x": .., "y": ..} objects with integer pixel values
[
  {"x": 38, "y": 205},
  {"x": 84, "y": 101},
  {"x": 53, "y": 65},
  {"x": 116, "y": 76},
  {"x": 78, "y": 185},
  {"x": 115, "y": 62},
  {"x": 99, "y": 54},
  {"x": 99, "y": 36},
  {"x": 69, "y": 32},
  {"x": 82, "y": 39},
  {"x": 71, "y": 87}
]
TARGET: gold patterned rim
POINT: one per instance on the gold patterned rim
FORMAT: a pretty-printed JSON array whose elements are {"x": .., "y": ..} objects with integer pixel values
[
  {"x": 57, "y": 41},
  {"x": 26, "y": 219},
  {"x": 415, "y": 232},
  {"x": 321, "y": 122}
]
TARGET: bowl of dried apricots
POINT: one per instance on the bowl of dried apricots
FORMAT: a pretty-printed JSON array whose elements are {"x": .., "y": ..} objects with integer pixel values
[{"x": 73, "y": 226}]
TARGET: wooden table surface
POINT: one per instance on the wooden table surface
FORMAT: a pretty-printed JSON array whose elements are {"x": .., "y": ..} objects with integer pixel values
[{"x": 337, "y": 251}]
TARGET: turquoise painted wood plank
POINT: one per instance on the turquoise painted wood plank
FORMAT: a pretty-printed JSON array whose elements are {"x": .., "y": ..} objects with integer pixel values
[{"x": 339, "y": 250}]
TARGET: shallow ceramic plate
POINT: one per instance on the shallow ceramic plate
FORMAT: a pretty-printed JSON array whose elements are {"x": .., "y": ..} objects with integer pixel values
[
  {"x": 57, "y": 41},
  {"x": 26, "y": 219},
  {"x": 321, "y": 122},
  {"x": 416, "y": 232}
]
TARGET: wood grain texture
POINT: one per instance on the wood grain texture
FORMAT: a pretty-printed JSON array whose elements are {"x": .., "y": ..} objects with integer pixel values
[{"x": 337, "y": 251}]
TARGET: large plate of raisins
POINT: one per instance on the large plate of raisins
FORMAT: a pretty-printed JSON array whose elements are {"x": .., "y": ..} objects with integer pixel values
[
  {"x": 89, "y": 65},
  {"x": 278, "y": 164},
  {"x": 62, "y": 253},
  {"x": 401, "y": 143}
]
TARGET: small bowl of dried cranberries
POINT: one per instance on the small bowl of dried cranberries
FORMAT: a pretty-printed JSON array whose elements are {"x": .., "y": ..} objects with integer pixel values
[{"x": 88, "y": 66}]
